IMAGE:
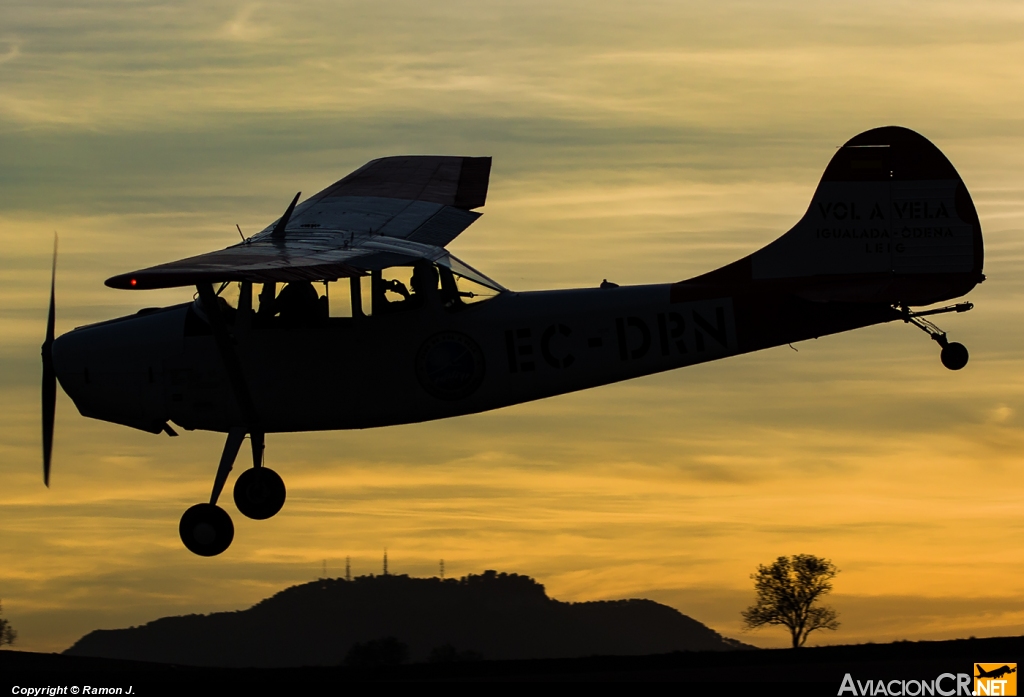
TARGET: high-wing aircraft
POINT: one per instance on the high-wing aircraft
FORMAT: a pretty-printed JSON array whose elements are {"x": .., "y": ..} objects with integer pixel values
[{"x": 348, "y": 312}]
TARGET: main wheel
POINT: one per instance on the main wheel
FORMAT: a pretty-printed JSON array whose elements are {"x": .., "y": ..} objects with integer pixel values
[
  {"x": 206, "y": 529},
  {"x": 954, "y": 356},
  {"x": 259, "y": 493}
]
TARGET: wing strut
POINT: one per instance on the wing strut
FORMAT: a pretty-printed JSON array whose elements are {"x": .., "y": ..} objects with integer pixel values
[
  {"x": 239, "y": 387},
  {"x": 227, "y": 354},
  {"x": 227, "y": 461}
]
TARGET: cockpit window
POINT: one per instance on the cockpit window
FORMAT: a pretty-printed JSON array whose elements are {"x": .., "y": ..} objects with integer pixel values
[
  {"x": 230, "y": 293},
  {"x": 471, "y": 292},
  {"x": 402, "y": 288},
  {"x": 449, "y": 284},
  {"x": 464, "y": 270}
]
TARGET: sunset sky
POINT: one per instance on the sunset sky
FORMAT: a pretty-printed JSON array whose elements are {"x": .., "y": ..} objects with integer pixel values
[{"x": 639, "y": 142}]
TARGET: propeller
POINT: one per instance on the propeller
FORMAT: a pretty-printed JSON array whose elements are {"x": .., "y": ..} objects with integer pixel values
[{"x": 49, "y": 376}]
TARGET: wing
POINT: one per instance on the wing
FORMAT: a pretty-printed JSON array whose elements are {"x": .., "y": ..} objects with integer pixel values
[{"x": 391, "y": 211}]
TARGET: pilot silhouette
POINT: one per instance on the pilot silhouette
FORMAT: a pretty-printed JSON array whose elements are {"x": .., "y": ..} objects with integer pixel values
[{"x": 298, "y": 303}]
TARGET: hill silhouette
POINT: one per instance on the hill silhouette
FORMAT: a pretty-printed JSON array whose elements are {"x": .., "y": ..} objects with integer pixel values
[{"x": 491, "y": 615}]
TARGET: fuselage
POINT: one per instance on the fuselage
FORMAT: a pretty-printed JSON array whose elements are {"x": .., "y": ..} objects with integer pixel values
[
  {"x": 891, "y": 225},
  {"x": 422, "y": 362}
]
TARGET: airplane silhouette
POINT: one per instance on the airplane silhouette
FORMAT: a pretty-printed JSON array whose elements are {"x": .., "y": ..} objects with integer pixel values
[
  {"x": 890, "y": 227},
  {"x": 995, "y": 672}
]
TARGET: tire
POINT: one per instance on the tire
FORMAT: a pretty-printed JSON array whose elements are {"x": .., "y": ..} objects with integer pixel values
[
  {"x": 954, "y": 356},
  {"x": 259, "y": 493},
  {"x": 206, "y": 529}
]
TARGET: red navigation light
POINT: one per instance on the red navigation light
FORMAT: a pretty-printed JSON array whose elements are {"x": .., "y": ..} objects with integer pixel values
[{"x": 133, "y": 281}]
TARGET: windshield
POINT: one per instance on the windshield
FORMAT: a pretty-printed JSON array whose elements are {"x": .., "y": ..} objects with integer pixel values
[{"x": 464, "y": 270}]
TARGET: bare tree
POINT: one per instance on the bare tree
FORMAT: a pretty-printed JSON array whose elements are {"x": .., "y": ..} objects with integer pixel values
[
  {"x": 7, "y": 633},
  {"x": 786, "y": 593}
]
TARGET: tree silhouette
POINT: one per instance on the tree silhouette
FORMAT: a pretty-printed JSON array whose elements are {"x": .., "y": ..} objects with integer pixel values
[
  {"x": 786, "y": 593},
  {"x": 7, "y": 633}
]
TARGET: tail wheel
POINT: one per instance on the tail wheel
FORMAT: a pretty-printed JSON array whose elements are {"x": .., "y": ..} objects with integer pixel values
[
  {"x": 954, "y": 356},
  {"x": 206, "y": 529},
  {"x": 259, "y": 493}
]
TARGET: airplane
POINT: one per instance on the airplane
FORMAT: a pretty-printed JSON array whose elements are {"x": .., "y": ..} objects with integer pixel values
[
  {"x": 377, "y": 324},
  {"x": 995, "y": 673}
]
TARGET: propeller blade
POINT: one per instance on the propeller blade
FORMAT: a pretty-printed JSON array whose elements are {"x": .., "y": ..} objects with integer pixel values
[
  {"x": 283, "y": 222},
  {"x": 49, "y": 376}
]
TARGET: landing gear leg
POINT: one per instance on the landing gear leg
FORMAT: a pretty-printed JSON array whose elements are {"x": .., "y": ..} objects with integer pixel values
[
  {"x": 954, "y": 355},
  {"x": 206, "y": 528},
  {"x": 259, "y": 492}
]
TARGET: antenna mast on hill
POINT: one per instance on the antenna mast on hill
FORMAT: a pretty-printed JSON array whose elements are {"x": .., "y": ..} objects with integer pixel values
[
  {"x": 442, "y": 569},
  {"x": 348, "y": 568},
  {"x": 385, "y": 561},
  {"x": 325, "y": 569}
]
